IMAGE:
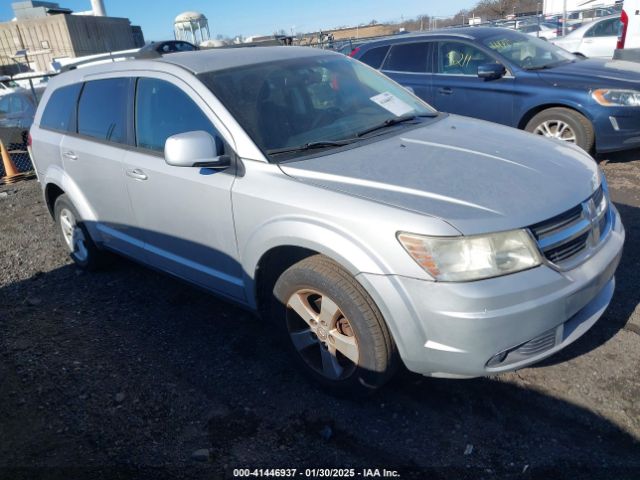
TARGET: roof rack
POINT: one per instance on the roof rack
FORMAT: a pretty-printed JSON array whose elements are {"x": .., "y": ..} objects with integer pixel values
[{"x": 149, "y": 54}]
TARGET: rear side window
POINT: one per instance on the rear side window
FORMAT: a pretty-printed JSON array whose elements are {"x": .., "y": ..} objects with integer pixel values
[
  {"x": 102, "y": 112},
  {"x": 605, "y": 28},
  {"x": 58, "y": 113},
  {"x": 163, "y": 110},
  {"x": 375, "y": 56},
  {"x": 408, "y": 57}
]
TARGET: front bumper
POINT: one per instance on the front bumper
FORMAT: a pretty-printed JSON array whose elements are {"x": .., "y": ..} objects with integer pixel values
[
  {"x": 489, "y": 326},
  {"x": 617, "y": 128}
]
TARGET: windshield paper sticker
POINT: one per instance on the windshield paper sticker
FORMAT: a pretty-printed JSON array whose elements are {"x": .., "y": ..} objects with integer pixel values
[{"x": 392, "y": 104}]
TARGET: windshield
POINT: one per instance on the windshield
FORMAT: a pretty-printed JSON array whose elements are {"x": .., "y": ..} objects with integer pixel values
[
  {"x": 527, "y": 52},
  {"x": 313, "y": 100}
]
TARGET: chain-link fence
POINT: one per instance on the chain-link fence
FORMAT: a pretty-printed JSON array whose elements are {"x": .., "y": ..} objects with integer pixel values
[{"x": 20, "y": 158}]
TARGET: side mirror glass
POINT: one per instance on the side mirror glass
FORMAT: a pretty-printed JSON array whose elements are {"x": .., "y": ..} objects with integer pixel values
[
  {"x": 195, "y": 149},
  {"x": 491, "y": 71}
]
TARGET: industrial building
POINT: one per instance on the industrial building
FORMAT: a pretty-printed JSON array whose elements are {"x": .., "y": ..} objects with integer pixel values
[{"x": 44, "y": 31}]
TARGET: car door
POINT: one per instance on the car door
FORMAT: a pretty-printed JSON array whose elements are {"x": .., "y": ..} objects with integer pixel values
[
  {"x": 183, "y": 213},
  {"x": 600, "y": 40},
  {"x": 93, "y": 154},
  {"x": 409, "y": 65},
  {"x": 458, "y": 89}
]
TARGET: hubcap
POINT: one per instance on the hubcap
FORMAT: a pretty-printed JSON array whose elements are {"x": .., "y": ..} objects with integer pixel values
[
  {"x": 556, "y": 129},
  {"x": 73, "y": 235},
  {"x": 322, "y": 334}
]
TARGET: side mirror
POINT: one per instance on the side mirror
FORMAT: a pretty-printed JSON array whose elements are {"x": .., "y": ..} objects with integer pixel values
[
  {"x": 410, "y": 90},
  {"x": 195, "y": 149},
  {"x": 491, "y": 71}
]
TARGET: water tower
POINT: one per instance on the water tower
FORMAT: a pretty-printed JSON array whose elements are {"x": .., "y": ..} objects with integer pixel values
[{"x": 192, "y": 27}]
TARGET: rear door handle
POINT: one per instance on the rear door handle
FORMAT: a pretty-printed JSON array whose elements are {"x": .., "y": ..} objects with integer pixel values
[
  {"x": 445, "y": 91},
  {"x": 137, "y": 174},
  {"x": 70, "y": 155}
]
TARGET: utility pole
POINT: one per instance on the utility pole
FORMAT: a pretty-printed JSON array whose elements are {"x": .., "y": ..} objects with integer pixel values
[{"x": 564, "y": 18}]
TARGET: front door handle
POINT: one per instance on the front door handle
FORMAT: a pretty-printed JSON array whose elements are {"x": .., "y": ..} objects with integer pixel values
[
  {"x": 445, "y": 91},
  {"x": 137, "y": 174},
  {"x": 70, "y": 155}
]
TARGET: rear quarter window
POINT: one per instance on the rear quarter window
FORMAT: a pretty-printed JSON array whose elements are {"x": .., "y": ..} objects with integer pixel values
[
  {"x": 375, "y": 56},
  {"x": 58, "y": 113}
]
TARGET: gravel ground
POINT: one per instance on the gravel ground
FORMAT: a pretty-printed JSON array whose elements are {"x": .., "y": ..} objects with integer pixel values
[{"x": 126, "y": 373}]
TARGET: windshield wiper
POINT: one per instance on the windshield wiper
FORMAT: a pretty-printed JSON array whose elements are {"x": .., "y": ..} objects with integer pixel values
[
  {"x": 347, "y": 141},
  {"x": 310, "y": 146},
  {"x": 390, "y": 122},
  {"x": 548, "y": 65}
]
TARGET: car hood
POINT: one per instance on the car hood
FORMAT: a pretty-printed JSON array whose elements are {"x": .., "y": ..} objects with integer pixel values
[
  {"x": 478, "y": 176},
  {"x": 594, "y": 73}
]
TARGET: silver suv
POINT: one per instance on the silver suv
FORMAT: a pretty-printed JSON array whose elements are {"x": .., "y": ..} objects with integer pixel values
[{"x": 317, "y": 192}]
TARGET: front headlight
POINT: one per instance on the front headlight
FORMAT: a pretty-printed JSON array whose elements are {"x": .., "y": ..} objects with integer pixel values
[
  {"x": 459, "y": 259},
  {"x": 616, "y": 98}
]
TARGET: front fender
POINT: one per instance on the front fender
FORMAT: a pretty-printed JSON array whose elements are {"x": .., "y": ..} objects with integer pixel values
[{"x": 313, "y": 234}]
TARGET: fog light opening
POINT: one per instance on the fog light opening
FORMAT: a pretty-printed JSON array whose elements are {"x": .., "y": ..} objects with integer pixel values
[{"x": 497, "y": 359}]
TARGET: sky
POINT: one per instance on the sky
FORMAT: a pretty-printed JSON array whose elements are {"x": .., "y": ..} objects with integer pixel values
[{"x": 261, "y": 17}]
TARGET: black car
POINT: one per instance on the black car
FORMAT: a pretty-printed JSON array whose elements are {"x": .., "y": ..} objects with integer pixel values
[
  {"x": 16, "y": 115},
  {"x": 169, "y": 46}
]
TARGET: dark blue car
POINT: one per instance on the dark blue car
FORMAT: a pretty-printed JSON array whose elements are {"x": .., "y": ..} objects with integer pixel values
[{"x": 518, "y": 80}]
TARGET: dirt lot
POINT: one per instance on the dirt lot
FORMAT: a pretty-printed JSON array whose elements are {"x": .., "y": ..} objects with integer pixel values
[{"x": 127, "y": 373}]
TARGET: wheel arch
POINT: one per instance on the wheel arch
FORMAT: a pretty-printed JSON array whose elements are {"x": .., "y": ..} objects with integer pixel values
[
  {"x": 276, "y": 246},
  {"x": 533, "y": 111},
  {"x": 57, "y": 182},
  {"x": 51, "y": 193}
]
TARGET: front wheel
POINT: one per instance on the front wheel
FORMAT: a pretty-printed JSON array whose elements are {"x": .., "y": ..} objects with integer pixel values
[
  {"x": 336, "y": 332},
  {"x": 563, "y": 124}
]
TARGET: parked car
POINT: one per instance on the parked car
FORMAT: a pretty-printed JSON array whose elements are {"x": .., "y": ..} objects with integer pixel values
[
  {"x": 308, "y": 187},
  {"x": 628, "y": 44},
  {"x": 596, "y": 39},
  {"x": 7, "y": 85},
  {"x": 17, "y": 110},
  {"x": 514, "y": 79},
  {"x": 169, "y": 46},
  {"x": 545, "y": 31}
]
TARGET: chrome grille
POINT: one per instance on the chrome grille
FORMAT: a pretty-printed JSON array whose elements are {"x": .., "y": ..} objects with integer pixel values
[{"x": 570, "y": 236}]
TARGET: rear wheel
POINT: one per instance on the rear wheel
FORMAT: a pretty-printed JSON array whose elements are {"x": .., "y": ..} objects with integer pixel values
[
  {"x": 335, "y": 330},
  {"x": 75, "y": 236},
  {"x": 563, "y": 124}
]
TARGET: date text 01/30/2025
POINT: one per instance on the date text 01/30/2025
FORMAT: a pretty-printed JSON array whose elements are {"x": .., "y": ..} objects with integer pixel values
[{"x": 316, "y": 472}]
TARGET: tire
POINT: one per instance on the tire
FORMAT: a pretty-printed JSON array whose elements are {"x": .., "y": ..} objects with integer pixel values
[
  {"x": 551, "y": 122},
  {"x": 75, "y": 236},
  {"x": 323, "y": 291}
]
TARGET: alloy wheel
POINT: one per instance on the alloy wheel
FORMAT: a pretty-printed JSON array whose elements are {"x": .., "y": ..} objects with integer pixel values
[
  {"x": 556, "y": 129},
  {"x": 73, "y": 235},
  {"x": 322, "y": 334}
]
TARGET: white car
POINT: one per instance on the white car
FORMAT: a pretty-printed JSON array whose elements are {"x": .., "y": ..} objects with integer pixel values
[
  {"x": 596, "y": 39},
  {"x": 7, "y": 85},
  {"x": 545, "y": 31}
]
